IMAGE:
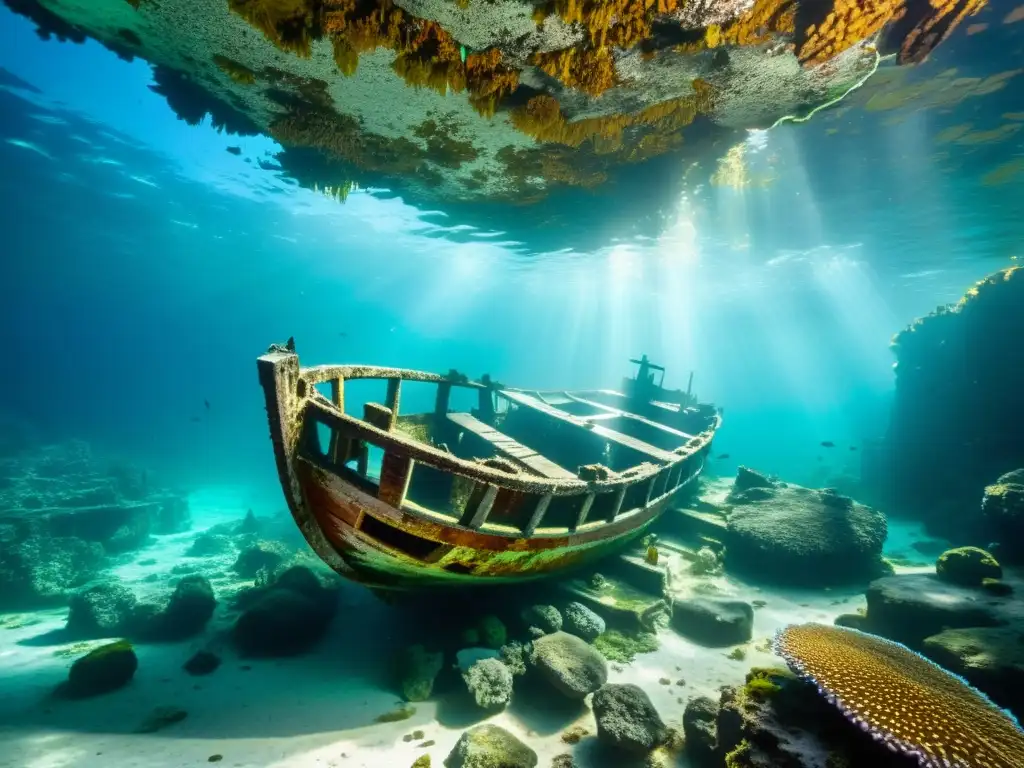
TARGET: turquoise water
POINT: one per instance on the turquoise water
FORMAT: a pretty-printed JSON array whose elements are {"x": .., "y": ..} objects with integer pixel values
[{"x": 180, "y": 263}]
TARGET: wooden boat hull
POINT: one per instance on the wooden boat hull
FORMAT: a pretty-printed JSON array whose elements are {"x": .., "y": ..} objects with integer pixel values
[
  {"x": 462, "y": 557},
  {"x": 518, "y": 522}
]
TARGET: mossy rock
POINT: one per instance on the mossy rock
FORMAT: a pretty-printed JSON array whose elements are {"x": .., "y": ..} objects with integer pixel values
[
  {"x": 103, "y": 670},
  {"x": 967, "y": 566},
  {"x": 490, "y": 746}
]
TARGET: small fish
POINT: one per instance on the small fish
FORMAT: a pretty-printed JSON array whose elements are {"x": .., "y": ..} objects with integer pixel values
[
  {"x": 207, "y": 404},
  {"x": 29, "y": 146},
  {"x": 343, "y": 334},
  {"x": 195, "y": 419},
  {"x": 235, "y": 150},
  {"x": 723, "y": 456},
  {"x": 853, "y": 447},
  {"x": 828, "y": 444}
]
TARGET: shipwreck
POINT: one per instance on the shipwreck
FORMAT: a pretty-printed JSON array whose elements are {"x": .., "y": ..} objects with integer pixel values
[{"x": 519, "y": 485}]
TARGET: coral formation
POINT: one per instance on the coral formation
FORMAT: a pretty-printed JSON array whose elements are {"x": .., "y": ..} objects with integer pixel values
[
  {"x": 490, "y": 683},
  {"x": 901, "y": 698}
]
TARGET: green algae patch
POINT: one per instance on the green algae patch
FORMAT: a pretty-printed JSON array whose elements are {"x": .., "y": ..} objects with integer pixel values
[
  {"x": 617, "y": 646},
  {"x": 396, "y": 715}
]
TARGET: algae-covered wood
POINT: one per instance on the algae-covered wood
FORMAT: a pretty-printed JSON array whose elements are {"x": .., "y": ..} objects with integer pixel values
[{"x": 443, "y": 497}]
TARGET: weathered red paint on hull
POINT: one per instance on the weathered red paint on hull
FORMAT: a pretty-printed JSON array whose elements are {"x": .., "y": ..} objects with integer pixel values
[{"x": 477, "y": 556}]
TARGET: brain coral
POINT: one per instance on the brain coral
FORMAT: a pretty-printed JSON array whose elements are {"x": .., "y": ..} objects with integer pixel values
[{"x": 903, "y": 700}]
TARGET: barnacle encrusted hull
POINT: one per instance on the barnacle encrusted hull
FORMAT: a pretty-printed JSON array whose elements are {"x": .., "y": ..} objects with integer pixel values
[{"x": 903, "y": 700}]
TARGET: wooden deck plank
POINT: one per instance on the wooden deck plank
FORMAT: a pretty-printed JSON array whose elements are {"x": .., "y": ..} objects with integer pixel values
[
  {"x": 648, "y": 450},
  {"x": 510, "y": 448},
  {"x": 610, "y": 412}
]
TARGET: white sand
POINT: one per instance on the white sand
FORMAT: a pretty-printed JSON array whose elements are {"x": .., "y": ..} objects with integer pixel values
[{"x": 319, "y": 709}]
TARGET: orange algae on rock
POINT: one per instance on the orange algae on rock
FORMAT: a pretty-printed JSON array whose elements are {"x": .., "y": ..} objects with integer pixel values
[
  {"x": 902, "y": 699},
  {"x": 845, "y": 23},
  {"x": 591, "y": 70},
  {"x": 237, "y": 72},
  {"x": 341, "y": 137},
  {"x": 291, "y": 25},
  {"x": 542, "y": 119},
  {"x": 765, "y": 19},
  {"x": 444, "y": 148},
  {"x": 933, "y": 24},
  {"x": 489, "y": 80},
  {"x": 618, "y": 23}
]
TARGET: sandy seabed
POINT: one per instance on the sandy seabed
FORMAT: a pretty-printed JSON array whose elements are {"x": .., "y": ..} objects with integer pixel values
[{"x": 320, "y": 709}]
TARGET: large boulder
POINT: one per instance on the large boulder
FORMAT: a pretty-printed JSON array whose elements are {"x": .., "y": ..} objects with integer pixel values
[
  {"x": 910, "y": 607},
  {"x": 989, "y": 658},
  {"x": 490, "y": 746},
  {"x": 713, "y": 622},
  {"x": 103, "y": 610},
  {"x": 627, "y": 720},
  {"x": 287, "y": 616},
  {"x": 1003, "y": 510},
  {"x": 186, "y": 612},
  {"x": 804, "y": 537},
  {"x": 102, "y": 670},
  {"x": 968, "y": 566},
  {"x": 570, "y": 664}
]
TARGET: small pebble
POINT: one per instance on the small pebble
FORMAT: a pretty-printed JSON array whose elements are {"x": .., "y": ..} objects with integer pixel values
[
  {"x": 214, "y": 758},
  {"x": 680, "y": 681},
  {"x": 665, "y": 681}
]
